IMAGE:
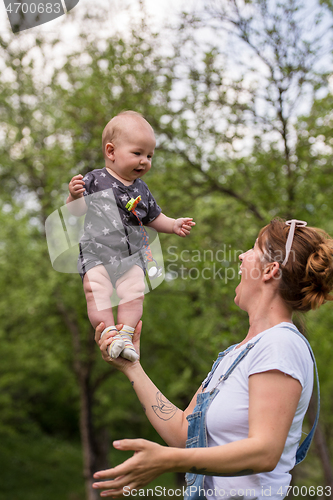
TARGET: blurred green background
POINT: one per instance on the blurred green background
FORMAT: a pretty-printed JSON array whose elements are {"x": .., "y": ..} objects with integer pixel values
[{"x": 240, "y": 97}]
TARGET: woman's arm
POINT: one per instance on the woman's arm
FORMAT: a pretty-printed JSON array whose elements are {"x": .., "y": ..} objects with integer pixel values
[
  {"x": 273, "y": 399},
  {"x": 168, "y": 420}
]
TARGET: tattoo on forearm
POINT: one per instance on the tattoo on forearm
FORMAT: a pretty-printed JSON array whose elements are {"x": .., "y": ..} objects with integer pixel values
[
  {"x": 245, "y": 472},
  {"x": 143, "y": 407},
  {"x": 164, "y": 409}
]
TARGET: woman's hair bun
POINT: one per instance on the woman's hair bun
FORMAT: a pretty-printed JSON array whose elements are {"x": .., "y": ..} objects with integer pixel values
[
  {"x": 307, "y": 278},
  {"x": 318, "y": 280}
]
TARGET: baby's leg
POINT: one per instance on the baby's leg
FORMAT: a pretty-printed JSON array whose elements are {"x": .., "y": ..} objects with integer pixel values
[
  {"x": 98, "y": 290},
  {"x": 130, "y": 289}
]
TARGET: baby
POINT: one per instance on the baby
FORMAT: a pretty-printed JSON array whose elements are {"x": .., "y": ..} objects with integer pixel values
[{"x": 112, "y": 248}]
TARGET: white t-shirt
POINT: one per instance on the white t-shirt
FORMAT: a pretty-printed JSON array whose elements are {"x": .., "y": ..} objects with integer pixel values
[{"x": 280, "y": 349}]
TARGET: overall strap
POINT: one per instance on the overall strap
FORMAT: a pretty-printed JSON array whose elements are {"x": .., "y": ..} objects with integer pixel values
[
  {"x": 239, "y": 358},
  {"x": 305, "y": 445},
  {"x": 215, "y": 365}
]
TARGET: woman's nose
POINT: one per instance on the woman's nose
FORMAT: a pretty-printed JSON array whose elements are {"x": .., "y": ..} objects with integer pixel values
[{"x": 242, "y": 255}]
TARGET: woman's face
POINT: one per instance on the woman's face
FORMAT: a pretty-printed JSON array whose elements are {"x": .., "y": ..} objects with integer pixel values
[{"x": 251, "y": 271}]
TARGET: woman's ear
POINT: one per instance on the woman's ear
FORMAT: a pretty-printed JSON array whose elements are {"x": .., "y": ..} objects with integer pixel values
[{"x": 272, "y": 271}]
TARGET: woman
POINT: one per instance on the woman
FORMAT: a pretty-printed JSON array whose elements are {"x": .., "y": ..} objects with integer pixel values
[{"x": 243, "y": 426}]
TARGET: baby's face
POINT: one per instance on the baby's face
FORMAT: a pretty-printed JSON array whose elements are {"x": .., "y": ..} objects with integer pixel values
[{"x": 132, "y": 152}]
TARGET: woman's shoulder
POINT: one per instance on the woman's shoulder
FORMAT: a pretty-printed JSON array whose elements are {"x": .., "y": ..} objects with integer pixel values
[
  {"x": 284, "y": 335},
  {"x": 282, "y": 348}
]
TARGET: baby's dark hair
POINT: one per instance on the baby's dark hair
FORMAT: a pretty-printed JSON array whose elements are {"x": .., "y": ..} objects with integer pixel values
[{"x": 307, "y": 278}]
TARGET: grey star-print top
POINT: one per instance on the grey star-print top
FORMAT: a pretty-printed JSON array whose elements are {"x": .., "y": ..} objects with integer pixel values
[{"x": 109, "y": 226}]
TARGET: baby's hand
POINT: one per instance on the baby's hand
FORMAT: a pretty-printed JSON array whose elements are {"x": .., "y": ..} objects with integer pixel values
[
  {"x": 183, "y": 226},
  {"x": 76, "y": 186}
]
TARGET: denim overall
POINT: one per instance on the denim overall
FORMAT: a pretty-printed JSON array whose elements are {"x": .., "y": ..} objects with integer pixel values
[{"x": 197, "y": 432}]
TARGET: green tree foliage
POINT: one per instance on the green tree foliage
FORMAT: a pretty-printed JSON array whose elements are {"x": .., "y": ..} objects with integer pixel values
[
  {"x": 236, "y": 147},
  {"x": 51, "y": 129}
]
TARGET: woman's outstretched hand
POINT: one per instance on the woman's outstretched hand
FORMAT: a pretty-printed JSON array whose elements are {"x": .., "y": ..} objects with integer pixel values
[
  {"x": 148, "y": 462},
  {"x": 120, "y": 363}
]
